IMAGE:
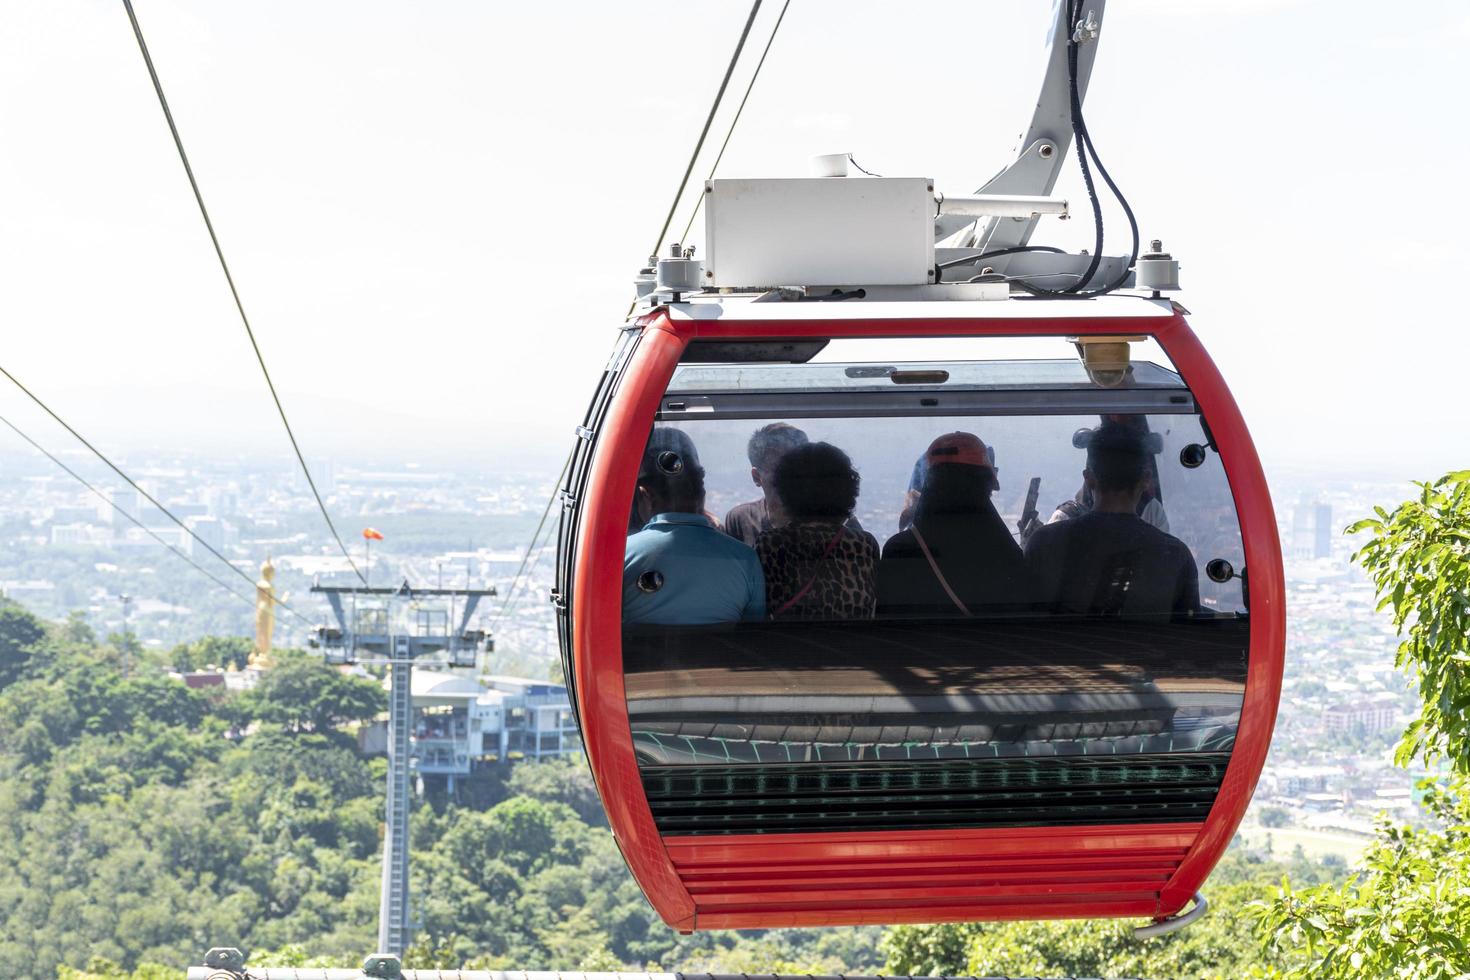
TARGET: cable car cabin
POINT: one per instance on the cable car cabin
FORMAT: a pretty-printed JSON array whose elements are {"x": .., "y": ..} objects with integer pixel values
[{"x": 858, "y": 638}]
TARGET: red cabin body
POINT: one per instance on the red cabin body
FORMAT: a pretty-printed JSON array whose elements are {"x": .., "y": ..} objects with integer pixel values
[{"x": 1119, "y": 815}]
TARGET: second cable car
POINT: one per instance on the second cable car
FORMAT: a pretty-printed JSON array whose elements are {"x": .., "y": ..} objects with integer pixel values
[{"x": 1050, "y": 699}]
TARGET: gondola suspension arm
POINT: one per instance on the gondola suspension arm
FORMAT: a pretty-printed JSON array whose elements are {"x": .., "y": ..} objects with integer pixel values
[{"x": 1043, "y": 149}]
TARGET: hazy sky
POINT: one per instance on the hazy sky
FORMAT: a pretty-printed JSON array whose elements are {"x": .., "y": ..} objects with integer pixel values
[{"x": 433, "y": 210}]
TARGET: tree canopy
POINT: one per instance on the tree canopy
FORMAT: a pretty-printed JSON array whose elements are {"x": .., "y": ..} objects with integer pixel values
[
  {"x": 138, "y": 816},
  {"x": 1407, "y": 914},
  {"x": 302, "y": 694},
  {"x": 20, "y": 634}
]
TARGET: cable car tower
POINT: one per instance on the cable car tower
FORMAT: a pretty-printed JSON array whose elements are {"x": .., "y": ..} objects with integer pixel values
[{"x": 397, "y": 627}]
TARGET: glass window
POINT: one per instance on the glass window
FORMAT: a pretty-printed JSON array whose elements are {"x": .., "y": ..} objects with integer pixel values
[{"x": 1010, "y": 621}]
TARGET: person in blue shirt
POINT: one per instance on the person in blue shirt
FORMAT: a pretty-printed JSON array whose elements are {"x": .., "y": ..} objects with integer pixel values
[{"x": 680, "y": 570}]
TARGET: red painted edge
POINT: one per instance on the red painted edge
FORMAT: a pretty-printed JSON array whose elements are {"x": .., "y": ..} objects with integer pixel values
[
  {"x": 1268, "y": 610},
  {"x": 971, "y": 911},
  {"x": 597, "y": 624},
  {"x": 773, "y": 850},
  {"x": 597, "y": 618}
]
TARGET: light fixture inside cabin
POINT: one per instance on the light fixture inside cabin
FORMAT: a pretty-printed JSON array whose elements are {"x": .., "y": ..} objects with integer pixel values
[{"x": 1105, "y": 358}]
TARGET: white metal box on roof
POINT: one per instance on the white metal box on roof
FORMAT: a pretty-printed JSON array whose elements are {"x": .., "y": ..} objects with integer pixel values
[{"x": 823, "y": 231}]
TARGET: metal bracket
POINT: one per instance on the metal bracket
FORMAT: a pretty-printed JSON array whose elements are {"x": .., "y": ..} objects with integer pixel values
[
  {"x": 1175, "y": 922},
  {"x": 1046, "y": 140},
  {"x": 1087, "y": 28}
]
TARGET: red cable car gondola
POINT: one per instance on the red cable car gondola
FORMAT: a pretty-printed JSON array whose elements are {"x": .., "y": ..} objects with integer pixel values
[{"x": 960, "y": 757}]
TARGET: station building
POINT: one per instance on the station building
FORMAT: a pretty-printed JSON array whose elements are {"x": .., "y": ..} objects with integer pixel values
[{"x": 460, "y": 722}]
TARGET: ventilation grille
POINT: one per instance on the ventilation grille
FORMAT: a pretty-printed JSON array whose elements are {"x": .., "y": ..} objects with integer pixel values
[{"x": 1065, "y": 791}]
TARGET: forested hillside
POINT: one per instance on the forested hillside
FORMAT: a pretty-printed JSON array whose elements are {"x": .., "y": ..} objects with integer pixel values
[{"x": 142, "y": 822}]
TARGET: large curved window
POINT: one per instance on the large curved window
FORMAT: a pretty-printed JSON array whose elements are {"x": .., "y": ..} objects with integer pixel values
[{"x": 1024, "y": 609}]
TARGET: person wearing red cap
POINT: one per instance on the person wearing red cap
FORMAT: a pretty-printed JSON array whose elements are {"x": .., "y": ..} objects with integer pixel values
[{"x": 956, "y": 557}]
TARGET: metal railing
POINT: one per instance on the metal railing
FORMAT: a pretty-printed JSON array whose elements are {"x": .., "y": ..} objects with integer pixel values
[{"x": 229, "y": 964}]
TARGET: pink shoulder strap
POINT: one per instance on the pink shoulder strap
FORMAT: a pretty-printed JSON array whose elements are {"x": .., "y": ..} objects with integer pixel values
[{"x": 934, "y": 567}]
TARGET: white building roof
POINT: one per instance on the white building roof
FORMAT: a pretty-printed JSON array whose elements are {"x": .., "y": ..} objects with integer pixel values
[{"x": 444, "y": 685}]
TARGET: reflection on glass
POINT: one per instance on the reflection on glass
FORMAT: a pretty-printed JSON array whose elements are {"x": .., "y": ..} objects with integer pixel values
[{"x": 1042, "y": 647}]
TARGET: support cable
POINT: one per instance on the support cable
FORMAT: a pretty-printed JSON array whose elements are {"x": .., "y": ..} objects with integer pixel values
[
  {"x": 699, "y": 201},
  {"x": 668, "y": 220},
  {"x": 240, "y": 306},
  {"x": 140, "y": 525},
  {"x": 535, "y": 555},
  {"x": 129, "y": 480},
  {"x": 709, "y": 120},
  {"x": 515, "y": 582}
]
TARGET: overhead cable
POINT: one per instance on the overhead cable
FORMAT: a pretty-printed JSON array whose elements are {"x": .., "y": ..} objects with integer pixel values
[
  {"x": 699, "y": 200},
  {"x": 658, "y": 245},
  {"x": 709, "y": 120},
  {"x": 140, "y": 525},
  {"x": 127, "y": 479},
  {"x": 530, "y": 548},
  {"x": 240, "y": 306}
]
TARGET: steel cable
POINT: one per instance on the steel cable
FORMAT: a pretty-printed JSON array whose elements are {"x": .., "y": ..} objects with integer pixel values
[
  {"x": 709, "y": 120},
  {"x": 140, "y": 525},
  {"x": 230, "y": 279},
  {"x": 126, "y": 479},
  {"x": 530, "y": 548},
  {"x": 668, "y": 220},
  {"x": 698, "y": 201}
]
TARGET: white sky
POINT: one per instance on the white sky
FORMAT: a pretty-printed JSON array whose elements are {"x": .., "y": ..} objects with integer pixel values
[{"x": 433, "y": 210}]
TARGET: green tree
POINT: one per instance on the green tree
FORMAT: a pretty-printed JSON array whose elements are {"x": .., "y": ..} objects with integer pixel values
[
  {"x": 565, "y": 780},
  {"x": 1419, "y": 558},
  {"x": 303, "y": 694},
  {"x": 1274, "y": 816},
  {"x": 1408, "y": 913},
  {"x": 211, "y": 651},
  {"x": 1210, "y": 948},
  {"x": 76, "y": 630},
  {"x": 20, "y": 635}
]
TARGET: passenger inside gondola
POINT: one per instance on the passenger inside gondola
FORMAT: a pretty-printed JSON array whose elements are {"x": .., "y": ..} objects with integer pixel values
[
  {"x": 680, "y": 569},
  {"x": 766, "y": 448},
  {"x": 957, "y": 557},
  {"x": 664, "y": 439},
  {"x": 816, "y": 567},
  {"x": 1108, "y": 560},
  {"x": 1150, "y": 502}
]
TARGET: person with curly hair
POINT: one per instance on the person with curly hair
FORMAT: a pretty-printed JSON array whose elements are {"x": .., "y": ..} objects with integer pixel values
[{"x": 815, "y": 565}]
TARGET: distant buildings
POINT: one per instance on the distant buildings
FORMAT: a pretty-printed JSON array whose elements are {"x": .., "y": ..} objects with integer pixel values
[
  {"x": 460, "y": 722},
  {"x": 1300, "y": 780},
  {"x": 80, "y": 534},
  {"x": 1311, "y": 530},
  {"x": 219, "y": 534},
  {"x": 1365, "y": 716},
  {"x": 27, "y": 590}
]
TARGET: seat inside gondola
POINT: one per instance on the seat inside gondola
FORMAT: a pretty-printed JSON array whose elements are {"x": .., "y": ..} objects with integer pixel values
[{"x": 924, "y": 713}]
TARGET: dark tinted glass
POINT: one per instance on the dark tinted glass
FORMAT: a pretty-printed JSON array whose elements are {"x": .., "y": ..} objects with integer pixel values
[{"x": 988, "y": 639}]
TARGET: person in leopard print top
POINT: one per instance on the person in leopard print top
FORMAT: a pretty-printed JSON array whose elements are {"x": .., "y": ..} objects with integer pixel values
[{"x": 816, "y": 567}]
